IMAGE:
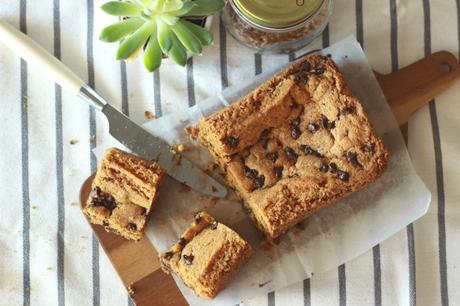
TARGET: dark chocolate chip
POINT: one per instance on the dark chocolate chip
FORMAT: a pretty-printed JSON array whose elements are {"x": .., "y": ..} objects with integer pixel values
[
  {"x": 232, "y": 141},
  {"x": 312, "y": 127},
  {"x": 271, "y": 156},
  {"x": 324, "y": 168},
  {"x": 213, "y": 225},
  {"x": 369, "y": 148},
  {"x": 305, "y": 67},
  {"x": 132, "y": 226},
  {"x": 278, "y": 171},
  {"x": 250, "y": 173},
  {"x": 290, "y": 154},
  {"x": 348, "y": 111},
  {"x": 352, "y": 157},
  {"x": 182, "y": 241},
  {"x": 168, "y": 255},
  {"x": 344, "y": 176},
  {"x": 333, "y": 167},
  {"x": 295, "y": 132},
  {"x": 317, "y": 71},
  {"x": 265, "y": 133},
  {"x": 103, "y": 199},
  {"x": 259, "y": 182},
  {"x": 329, "y": 55},
  {"x": 294, "y": 104},
  {"x": 307, "y": 150},
  {"x": 295, "y": 122},
  {"x": 328, "y": 124},
  {"x": 188, "y": 259}
]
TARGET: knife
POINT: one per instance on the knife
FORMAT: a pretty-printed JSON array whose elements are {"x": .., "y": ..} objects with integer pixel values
[{"x": 130, "y": 134}]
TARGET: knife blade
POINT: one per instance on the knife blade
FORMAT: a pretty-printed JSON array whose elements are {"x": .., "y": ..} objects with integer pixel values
[{"x": 127, "y": 132}]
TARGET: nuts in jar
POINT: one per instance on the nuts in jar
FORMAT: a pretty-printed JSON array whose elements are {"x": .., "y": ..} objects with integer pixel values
[{"x": 276, "y": 26}]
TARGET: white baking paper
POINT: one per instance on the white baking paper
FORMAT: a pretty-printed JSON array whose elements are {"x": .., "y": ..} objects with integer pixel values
[{"x": 324, "y": 241}]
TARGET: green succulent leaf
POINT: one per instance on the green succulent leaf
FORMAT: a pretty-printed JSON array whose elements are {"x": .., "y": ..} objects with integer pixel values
[
  {"x": 135, "y": 41},
  {"x": 188, "y": 6},
  {"x": 177, "y": 52},
  {"x": 172, "y": 5},
  {"x": 164, "y": 36},
  {"x": 117, "y": 31},
  {"x": 187, "y": 38},
  {"x": 206, "y": 7},
  {"x": 203, "y": 35},
  {"x": 153, "y": 54},
  {"x": 146, "y": 3},
  {"x": 117, "y": 8}
]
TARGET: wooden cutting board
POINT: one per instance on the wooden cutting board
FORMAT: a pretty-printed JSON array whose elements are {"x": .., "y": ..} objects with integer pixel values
[{"x": 406, "y": 90}]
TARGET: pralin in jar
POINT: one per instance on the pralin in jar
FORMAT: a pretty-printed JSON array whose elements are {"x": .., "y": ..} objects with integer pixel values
[{"x": 276, "y": 26}]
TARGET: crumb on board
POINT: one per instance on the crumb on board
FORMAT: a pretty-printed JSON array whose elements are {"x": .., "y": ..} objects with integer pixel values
[
  {"x": 149, "y": 115},
  {"x": 264, "y": 283},
  {"x": 73, "y": 141},
  {"x": 176, "y": 151},
  {"x": 130, "y": 289},
  {"x": 214, "y": 189}
]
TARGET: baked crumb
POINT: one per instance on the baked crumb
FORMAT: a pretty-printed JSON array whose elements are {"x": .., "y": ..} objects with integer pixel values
[
  {"x": 130, "y": 289},
  {"x": 264, "y": 283},
  {"x": 73, "y": 141},
  {"x": 149, "y": 115},
  {"x": 34, "y": 207}
]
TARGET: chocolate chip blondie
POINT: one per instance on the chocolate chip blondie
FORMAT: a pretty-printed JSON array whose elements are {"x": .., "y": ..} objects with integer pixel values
[
  {"x": 299, "y": 142},
  {"x": 206, "y": 256},
  {"x": 123, "y": 193}
]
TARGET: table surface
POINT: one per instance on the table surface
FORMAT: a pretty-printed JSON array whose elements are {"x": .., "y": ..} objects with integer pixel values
[{"x": 48, "y": 255}]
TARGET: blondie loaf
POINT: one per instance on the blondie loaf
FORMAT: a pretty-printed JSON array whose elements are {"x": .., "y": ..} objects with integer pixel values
[
  {"x": 206, "y": 256},
  {"x": 299, "y": 142},
  {"x": 123, "y": 193}
]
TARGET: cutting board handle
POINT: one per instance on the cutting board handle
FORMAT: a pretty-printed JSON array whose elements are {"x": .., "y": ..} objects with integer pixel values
[{"x": 412, "y": 87}]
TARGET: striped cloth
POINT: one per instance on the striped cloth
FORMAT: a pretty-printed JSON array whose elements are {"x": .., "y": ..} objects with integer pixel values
[{"x": 48, "y": 255}]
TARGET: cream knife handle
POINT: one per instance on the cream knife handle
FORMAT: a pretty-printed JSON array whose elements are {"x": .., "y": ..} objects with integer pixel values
[{"x": 56, "y": 71}]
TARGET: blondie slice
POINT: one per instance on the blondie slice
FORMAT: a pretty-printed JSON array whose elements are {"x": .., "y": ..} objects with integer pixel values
[
  {"x": 297, "y": 143},
  {"x": 206, "y": 256},
  {"x": 124, "y": 190}
]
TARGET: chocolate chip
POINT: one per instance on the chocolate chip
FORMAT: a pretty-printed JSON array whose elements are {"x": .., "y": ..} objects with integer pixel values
[
  {"x": 305, "y": 67},
  {"x": 344, "y": 176},
  {"x": 317, "y": 71},
  {"x": 232, "y": 141},
  {"x": 290, "y": 154},
  {"x": 271, "y": 156},
  {"x": 295, "y": 122},
  {"x": 294, "y": 104},
  {"x": 259, "y": 182},
  {"x": 182, "y": 241},
  {"x": 265, "y": 133},
  {"x": 324, "y": 168},
  {"x": 348, "y": 111},
  {"x": 327, "y": 124},
  {"x": 188, "y": 259},
  {"x": 312, "y": 127},
  {"x": 295, "y": 132},
  {"x": 168, "y": 255},
  {"x": 369, "y": 148},
  {"x": 309, "y": 151},
  {"x": 100, "y": 198},
  {"x": 250, "y": 173},
  {"x": 329, "y": 55},
  {"x": 278, "y": 171},
  {"x": 333, "y": 167},
  {"x": 213, "y": 225},
  {"x": 132, "y": 226},
  {"x": 197, "y": 217},
  {"x": 352, "y": 157}
]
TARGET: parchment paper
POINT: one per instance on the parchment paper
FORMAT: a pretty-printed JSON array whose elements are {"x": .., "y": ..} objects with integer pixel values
[{"x": 324, "y": 241}]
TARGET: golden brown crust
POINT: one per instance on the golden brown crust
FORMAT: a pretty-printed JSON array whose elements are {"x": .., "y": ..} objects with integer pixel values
[
  {"x": 299, "y": 142},
  {"x": 124, "y": 190},
  {"x": 206, "y": 256}
]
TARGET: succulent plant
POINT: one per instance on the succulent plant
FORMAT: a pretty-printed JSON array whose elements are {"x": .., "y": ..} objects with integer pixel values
[{"x": 160, "y": 27}]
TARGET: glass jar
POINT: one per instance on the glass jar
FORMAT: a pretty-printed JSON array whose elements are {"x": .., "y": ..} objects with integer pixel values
[{"x": 276, "y": 26}]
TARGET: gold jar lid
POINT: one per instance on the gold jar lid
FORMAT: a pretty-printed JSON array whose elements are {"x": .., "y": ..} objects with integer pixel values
[{"x": 277, "y": 14}]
